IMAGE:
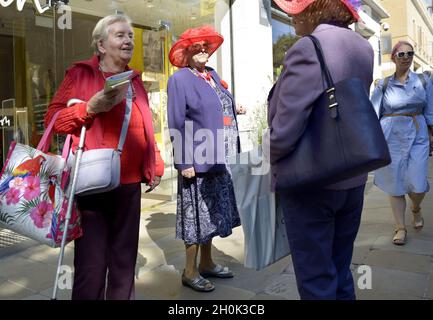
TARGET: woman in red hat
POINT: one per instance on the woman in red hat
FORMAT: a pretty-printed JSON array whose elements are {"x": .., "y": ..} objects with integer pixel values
[
  {"x": 321, "y": 224},
  {"x": 203, "y": 129}
]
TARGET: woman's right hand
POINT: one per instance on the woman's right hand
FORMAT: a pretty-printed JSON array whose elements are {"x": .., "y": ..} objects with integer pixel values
[
  {"x": 105, "y": 101},
  {"x": 188, "y": 173}
]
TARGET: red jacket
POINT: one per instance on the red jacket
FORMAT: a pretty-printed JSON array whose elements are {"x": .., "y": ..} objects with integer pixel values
[{"x": 141, "y": 159}]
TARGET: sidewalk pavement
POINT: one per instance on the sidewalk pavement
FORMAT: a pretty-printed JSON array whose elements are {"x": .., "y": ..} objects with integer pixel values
[{"x": 27, "y": 269}]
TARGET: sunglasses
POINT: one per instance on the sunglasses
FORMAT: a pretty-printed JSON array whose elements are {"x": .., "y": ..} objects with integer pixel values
[
  {"x": 198, "y": 47},
  {"x": 407, "y": 54}
]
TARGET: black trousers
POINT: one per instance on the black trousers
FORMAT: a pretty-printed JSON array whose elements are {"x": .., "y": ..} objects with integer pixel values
[
  {"x": 321, "y": 229},
  {"x": 106, "y": 254}
]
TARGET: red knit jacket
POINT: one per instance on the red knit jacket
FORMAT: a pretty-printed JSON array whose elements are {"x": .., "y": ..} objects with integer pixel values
[{"x": 141, "y": 159}]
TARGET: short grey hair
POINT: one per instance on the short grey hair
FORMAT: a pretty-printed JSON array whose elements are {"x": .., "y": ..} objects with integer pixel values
[{"x": 100, "y": 32}]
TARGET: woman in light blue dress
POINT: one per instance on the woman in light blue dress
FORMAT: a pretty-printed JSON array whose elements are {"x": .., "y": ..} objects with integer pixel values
[{"x": 406, "y": 116}]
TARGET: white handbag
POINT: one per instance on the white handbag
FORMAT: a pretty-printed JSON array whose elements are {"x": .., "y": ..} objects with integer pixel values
[{"x": 99, "y": 169}]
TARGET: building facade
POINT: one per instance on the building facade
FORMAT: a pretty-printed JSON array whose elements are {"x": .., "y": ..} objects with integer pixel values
[
  {"x": 409, "y": 20},
  {"x": 373, "y": 15}
]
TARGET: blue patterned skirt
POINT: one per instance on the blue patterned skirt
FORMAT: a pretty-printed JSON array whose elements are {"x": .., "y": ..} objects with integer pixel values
[{"x": 206, "y": 207}]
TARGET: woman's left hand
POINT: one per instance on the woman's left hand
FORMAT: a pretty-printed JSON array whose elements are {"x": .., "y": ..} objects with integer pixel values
[{"x": 156, "y": 181}]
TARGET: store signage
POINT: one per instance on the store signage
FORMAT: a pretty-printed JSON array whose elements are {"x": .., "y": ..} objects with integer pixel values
[
  {"x": 65, "y": 12},
  {"x": 5, "y": 122},
  {"x": 21, "y": 3}
]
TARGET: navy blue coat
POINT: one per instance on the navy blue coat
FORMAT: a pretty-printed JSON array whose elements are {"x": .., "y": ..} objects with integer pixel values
[{"x": 347, "y": 55}]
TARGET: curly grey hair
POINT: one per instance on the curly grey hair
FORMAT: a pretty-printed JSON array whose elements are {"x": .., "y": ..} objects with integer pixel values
[{"x": 100, "y": 32}]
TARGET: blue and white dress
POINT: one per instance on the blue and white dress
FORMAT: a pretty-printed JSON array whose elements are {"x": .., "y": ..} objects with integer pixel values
[{"x": 407, "y": 136}]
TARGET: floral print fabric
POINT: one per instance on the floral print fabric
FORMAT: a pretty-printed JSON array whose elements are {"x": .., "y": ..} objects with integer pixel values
[{"x": 32, "y": 200}]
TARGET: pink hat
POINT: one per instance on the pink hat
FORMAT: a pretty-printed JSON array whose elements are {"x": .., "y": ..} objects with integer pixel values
[{"x": 292, "y": 7}]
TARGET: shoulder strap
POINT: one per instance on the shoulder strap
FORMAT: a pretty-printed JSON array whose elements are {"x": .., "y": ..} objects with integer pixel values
[
  {"x": 330, "y": 89},
  {"x": 384, "y": 87},
  {"x": 422, "y": 79},
  {"x": 126, "y": 119},
  {"x": 385, "y": 84},
  {"x": 321, "y": 58}
]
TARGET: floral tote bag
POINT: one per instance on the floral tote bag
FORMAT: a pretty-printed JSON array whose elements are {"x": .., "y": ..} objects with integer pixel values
[{"x": 33, "y": 202}]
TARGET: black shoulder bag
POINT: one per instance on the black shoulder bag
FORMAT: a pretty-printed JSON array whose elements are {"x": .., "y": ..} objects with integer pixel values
[{"x": 343, "y": 137}]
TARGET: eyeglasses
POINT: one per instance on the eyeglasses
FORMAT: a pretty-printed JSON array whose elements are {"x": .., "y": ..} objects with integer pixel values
[{"x": 407, "y": 54}]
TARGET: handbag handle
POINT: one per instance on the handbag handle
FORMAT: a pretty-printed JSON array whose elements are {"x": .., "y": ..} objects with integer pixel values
[
  {"x": 45, "y": 142},
  {"x": 333, "y": 104}
]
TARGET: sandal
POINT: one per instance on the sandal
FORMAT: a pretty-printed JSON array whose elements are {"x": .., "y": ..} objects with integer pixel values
[
  {"x": 400, "y": 236},
  {"x": 417, "y": 219},
  {"x": 198, "y": 283},
  {"x": 217, "y": 272}
]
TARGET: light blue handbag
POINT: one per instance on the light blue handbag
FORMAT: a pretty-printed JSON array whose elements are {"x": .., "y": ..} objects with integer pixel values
[{"x": 261, "y": 217}]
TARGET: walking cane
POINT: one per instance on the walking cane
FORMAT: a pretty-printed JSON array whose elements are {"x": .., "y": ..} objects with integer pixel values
[{"x": 69, "y": 211}]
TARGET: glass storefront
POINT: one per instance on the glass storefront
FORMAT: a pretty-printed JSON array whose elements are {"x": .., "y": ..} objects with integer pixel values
[
  {"x": 283, "y": 37},
  {"x": 35, "y": 52}
]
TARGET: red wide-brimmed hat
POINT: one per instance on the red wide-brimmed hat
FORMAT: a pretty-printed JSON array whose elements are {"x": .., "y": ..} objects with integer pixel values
[
  {"x": 297, "y": 6},
  {"x": 207, "y": 34}
]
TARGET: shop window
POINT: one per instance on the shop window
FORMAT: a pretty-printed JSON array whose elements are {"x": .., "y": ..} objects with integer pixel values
[{"x": 283, "y": 37}]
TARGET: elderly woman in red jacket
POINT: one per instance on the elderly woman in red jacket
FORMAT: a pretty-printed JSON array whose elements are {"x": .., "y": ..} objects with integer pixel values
[{"x": 105, "y": 256}]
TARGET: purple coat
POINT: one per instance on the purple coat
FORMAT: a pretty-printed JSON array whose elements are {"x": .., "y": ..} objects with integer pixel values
[
  {"x": 347, "y": 54},
  {"x": 193, "y": 105}
]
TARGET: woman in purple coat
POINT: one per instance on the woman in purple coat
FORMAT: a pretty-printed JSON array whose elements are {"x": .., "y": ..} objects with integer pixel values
[
  {"x": 321, "y": 224},
  {"x": 203, "y": 129}
]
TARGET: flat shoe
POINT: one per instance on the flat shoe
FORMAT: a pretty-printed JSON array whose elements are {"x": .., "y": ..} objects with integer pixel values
[
  {"x": 417, "y": 219},
  {"x": 217, "y": 272},
  {"x": 399, "y": 237},
  {"x": 198, "y": 283}
]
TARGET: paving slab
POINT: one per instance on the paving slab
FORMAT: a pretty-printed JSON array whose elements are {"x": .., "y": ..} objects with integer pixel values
[
  {"x": 415, "y": 246},
  {"x": 13, "y": 291},
  {"x": 264, "y": 296},
  {"x": 165, "y": 283},
  {"x": 48, "y": 255},
  {"x": 429, "y": 289},
  {"x": 62, "y": 294},
  {"x": 36, "y": 297},
  {"x": 37, "y": 277},
  {"x": 394, "y": 284},
  {"x": 399, "y": 261},
  {"x": 285, "y": 286}
]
